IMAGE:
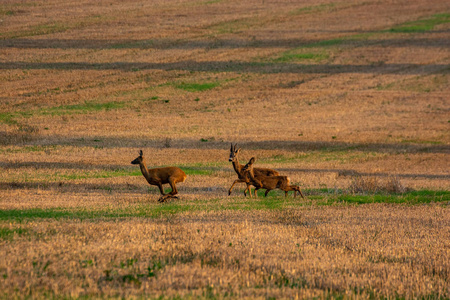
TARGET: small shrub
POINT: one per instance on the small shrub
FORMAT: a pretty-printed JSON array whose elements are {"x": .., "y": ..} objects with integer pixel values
[
  {"x": 371, "y": 184},
  {"x": 394, "y": 186}
]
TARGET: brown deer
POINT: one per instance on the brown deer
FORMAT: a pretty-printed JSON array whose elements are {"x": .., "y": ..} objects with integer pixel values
[
  {"x": 238, "y": 168},
  {"x": 160, "y": 176},
  {"x": 269, "y": 182}
]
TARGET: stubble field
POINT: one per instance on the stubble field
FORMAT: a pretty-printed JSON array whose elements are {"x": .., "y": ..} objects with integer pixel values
[{"x": 347, "y": 98}]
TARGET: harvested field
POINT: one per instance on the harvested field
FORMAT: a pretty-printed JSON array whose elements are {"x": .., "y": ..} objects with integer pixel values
[{"x": 349, "y": 99}]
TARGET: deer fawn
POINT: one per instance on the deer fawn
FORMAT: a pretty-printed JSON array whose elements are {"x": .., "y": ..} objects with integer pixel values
[
  {"x": 269, "y": 182},
  {"x": 242, "y": 177},
  {"x": 160, "y": 176}
]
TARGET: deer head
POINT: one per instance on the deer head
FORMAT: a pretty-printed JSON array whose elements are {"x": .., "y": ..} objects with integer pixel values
[
  {"x": 233, "y": 152},
  {"x": 138, "y": 159},
  {"x": 249, "y": 166}
]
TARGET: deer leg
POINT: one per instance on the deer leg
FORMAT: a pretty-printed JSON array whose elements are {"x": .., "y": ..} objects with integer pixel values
[
  {"x": 161, "y": 188},
  {"x": 267, "y": 191},
  {"x": 231, "y": 188},
  {"x": 167, "y": 196},
  {"x": 300, "y": 191},
  {"x": 174, "y": 187},
  {"x": 249, "y": 189},
  {"x": 256, "y": 190}
]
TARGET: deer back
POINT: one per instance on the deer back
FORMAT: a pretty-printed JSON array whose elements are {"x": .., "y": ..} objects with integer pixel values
[
  {"x": 273, "y": 182},
  {"x": 265, "y": 172},
  {"x": 164, "y": 175}
]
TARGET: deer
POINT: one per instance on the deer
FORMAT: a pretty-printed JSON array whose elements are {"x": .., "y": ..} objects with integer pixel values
[
  {"x": 243, "y": 177},
  {"x": 160, "y": 176},
  {"x": 269, "y": 182}
]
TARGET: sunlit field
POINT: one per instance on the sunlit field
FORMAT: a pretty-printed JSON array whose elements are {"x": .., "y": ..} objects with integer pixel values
[{"x": 348, "y": 99}]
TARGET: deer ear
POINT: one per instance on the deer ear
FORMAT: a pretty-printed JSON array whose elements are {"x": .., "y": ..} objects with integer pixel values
[
  {"x": 141, "y": 153},
  {"x": 231, "y": 149},
  {"x": 252, "y": 161}
]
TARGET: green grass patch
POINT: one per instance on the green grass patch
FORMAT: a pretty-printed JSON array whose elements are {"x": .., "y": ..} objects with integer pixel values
[
  {"x": 289, "y": 56},
  {"x": 8, "y": 233},
  {"x": 82, "y": 108},
  {"x": 412, "y": 198},
  {"x": 275, "y": 201},
  {"x": 326, "y": 43},
  {"x": 8, "y": 118},
  {"x": 6, "y": 12},
  {"x": 422, "y": 25},
  {"x": 208, "y": 2},
  {"x": 197, "y": 87},
  {"x": 59, "y": 213}
]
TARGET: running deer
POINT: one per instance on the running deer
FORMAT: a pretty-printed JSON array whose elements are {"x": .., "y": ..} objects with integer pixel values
[
  {"x": 242, "y": 177},
  {"x": 269, "y": 182},
  {"x": 160, "y": 176}
]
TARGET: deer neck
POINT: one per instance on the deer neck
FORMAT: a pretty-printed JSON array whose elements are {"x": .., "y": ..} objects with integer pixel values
[
  {"x": 237, "y": 166},
  {"x": 251, "y": 173},
  {"x": 144, "y": 170}
]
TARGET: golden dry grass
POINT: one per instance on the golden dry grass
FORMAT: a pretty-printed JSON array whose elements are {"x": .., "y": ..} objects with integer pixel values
[
  {"x": 347, "y": 98},
  {"x": 364, "y": 251}
]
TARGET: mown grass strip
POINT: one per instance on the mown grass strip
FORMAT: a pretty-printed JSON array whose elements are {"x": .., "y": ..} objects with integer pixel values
[
  {"x": 290, "y": 56},
  {"x": 59, "y": 213},
  {"x": 197, "y": 87},
  {"x": 422, "y": 25},
  {"x": 275, "y": 201},
  {"x": 9, "y": 233},
  {"x": 9, "y": 118},
  {"x": 411, "y": 198},
  {"x": 82, "y": 108}
]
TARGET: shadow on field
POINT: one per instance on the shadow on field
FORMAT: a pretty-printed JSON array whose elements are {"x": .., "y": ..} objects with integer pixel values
[
  {"x": 198, "y": 144},
  {"x": 60, "y": 165},
  {"x": 238, "y": 66},
  {"x": 121, "y": 188},
  {"x": 162, "y": 44},
  {"x": 354, "y": 173}
]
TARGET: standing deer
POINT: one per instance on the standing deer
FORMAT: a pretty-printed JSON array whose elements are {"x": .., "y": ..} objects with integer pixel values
[
  {"x": 242, "y": 177},
  {"x": 269, "y": 182},
  {"x": 160, "y": 176}
]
